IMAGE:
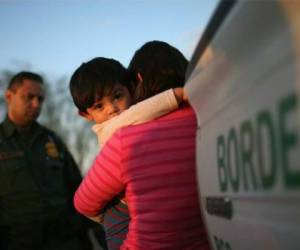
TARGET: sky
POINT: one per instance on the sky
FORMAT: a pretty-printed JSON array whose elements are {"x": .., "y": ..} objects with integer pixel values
[{"x": 54, "y": 37}]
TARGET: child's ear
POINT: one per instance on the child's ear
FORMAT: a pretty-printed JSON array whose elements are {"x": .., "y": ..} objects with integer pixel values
[{"x": 85, "y": 115}]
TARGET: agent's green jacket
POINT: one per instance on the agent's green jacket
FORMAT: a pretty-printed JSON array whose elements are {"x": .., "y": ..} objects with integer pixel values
[{"x": 38, "y": 178}]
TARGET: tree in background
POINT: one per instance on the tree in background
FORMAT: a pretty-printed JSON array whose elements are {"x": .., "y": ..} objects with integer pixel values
[
  {"x": 4, "y": 78},
  {"x": 60, "y": 115}
]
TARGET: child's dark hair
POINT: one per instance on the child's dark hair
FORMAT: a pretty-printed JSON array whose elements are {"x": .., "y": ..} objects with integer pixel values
[
  {"x": 161, "y": 66},
  {"x": 96, "y": 79}
]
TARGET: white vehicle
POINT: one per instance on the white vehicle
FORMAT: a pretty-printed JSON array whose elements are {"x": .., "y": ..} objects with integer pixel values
[{"x": 244, "y": 84}]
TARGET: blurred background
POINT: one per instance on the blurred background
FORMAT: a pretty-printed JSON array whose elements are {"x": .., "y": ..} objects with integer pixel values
[{"x": 53, "y": 37}]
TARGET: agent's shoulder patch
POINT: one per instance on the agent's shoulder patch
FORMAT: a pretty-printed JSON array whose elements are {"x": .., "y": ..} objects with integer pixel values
[{"x": 52, "y": 150}]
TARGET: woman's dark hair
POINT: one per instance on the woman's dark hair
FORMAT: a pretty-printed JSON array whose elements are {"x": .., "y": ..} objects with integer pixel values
[
  {"x": 95, "y": 79},
  {"x": 161, "y": 66}
]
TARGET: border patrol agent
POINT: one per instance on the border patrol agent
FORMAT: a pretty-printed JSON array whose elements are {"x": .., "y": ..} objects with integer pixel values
[{"x": 38, "y": 177}]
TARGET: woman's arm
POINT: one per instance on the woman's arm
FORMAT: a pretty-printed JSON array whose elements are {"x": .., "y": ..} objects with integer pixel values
[{"x": 102, "y": 182}]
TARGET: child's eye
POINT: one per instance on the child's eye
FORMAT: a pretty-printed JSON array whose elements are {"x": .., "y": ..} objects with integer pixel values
[
  {"x": 118, "y": 95},
  {"x": 98, "y": 106}
]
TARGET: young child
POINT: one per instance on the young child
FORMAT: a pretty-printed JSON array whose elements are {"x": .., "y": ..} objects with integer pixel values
[{"x": 102, "y": 90}]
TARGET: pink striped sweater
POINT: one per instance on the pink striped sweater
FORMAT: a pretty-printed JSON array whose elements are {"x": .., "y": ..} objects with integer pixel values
[{"x": 155, "y": 164}]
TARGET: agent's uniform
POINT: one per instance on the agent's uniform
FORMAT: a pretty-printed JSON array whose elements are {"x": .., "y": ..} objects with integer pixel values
[{"x": 38, "y": 177}]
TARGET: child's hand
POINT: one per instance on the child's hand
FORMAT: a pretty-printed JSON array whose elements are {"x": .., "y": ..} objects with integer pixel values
[
  {"x": 180, "y": 95},
  {"x": 184, "y": 97}
]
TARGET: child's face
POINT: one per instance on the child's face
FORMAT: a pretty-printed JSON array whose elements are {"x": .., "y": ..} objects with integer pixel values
[{"x": 109, "y": 106}]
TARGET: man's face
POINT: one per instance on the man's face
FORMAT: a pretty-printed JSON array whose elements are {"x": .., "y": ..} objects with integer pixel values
[
  {"x": 25, "y": 102},
  {"x": 109, "y": 106}
]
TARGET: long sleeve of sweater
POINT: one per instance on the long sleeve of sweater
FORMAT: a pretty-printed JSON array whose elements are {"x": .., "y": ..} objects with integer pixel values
[{"x": 103, "y": 181}]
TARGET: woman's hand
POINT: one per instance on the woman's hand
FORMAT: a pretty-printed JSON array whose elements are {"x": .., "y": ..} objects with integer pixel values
[{"x": 97, "y": 218}]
